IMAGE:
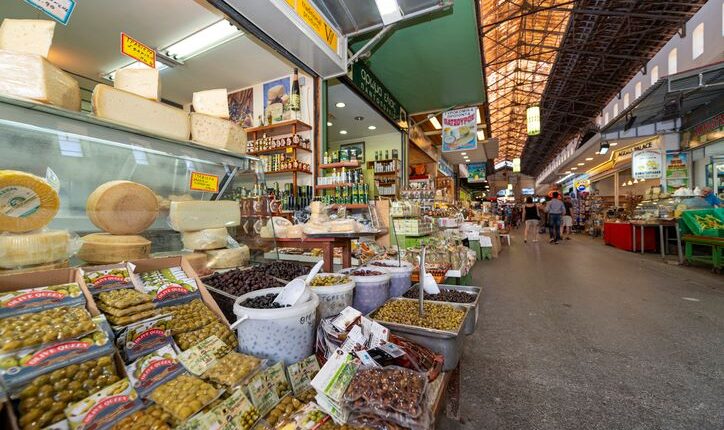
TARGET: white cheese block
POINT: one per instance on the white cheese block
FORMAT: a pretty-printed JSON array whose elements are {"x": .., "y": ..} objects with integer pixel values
[
  {"x": 212, "y": 102},
  {"x": 30, "y": 36},
  {"x": 200, "y": 215},
  {"x": 228, "y": 258},
  {"x": 33, "y": 77},
  {"x": 218, "y": 133},
  {"x": 210, "y": 238},
  {"x": 104, "y": 248},
  {"x": 122, "y": 207},
  {"x": 135, "y": 111},
  {"x": 18, "y": 250},
  {"x": 143, "y": 82}
]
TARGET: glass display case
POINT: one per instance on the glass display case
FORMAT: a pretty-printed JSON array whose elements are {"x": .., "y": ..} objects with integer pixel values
[
  {"x": 84, "y": 152},
  {"x": 655, "y": 209}
]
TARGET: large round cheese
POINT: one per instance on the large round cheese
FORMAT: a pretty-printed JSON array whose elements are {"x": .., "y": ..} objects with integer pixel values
[
  {"x": 27, "y": 202},
  {"x": 30, "y": 249},
  {"x": 104, "y": 248},
  {"x": 210, "y": 238},
  {"x": 122, "y": 207},
  {"x": 228, "y": 258}
]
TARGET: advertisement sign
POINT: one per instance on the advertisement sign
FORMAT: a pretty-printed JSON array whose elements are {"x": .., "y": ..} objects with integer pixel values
[
  {"x": 476, "y": 172},
  {"x": 459, "y": 130},
  {"x": 646, "y": 164},
  {"x": 138, "y": 51},
  {"x": 677, "y": 171},
  {"x": 377, "y": 93},
  {"x": 581, "y": 184}
]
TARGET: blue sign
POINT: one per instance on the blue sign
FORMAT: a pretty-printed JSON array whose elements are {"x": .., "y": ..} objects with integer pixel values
[
  {"x": 59, "y": 10},
  {"x": 476, "y": 172}
]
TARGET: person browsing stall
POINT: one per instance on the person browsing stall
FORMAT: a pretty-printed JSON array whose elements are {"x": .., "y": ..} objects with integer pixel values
[{"x": 555, "y": 209}]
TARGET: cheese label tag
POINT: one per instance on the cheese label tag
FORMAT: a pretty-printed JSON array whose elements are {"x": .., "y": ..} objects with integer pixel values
[
  {"x": 138, "y": 51},
  {"x": 59, "y": 10},
  {"x": 204, "y": 182}
]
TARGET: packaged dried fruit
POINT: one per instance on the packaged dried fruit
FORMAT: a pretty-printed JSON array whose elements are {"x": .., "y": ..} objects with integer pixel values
[
  {"x": 184, "y": 396},
  {"x": 389, "y": 388},
  {"x": 43, "y": 327},
  {"x": 37, "y": 299}
]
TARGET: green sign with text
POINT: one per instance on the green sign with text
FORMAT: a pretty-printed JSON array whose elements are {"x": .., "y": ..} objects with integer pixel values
[{"x": 370, "y": 86}]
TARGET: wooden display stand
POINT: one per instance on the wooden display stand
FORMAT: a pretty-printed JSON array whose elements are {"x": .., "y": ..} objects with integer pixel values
[{"x": 327, "y": 244}]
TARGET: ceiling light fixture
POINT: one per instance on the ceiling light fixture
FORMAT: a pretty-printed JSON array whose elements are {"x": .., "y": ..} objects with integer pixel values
[
  {"x": 203, "y": 40},
  {"x": 435, "y": 123},
  {"x": 135, "y": 65},
  {"x": 477, "y": 116},
  {"x": 372, "y": 127},
  {"x": 613, "y": 143},
  {"x": 340, "y": 104},
  {"x": 343, "y": 132},
  {"x": 589, "y": 158},
  {"x": 463, "y": 153},
  {"x": 329, "y": 123},
  {"x": 481, "y": 134},
  {"x": 630, "y": 182},
  {"x": 574, "y": 168},
  {"x": 581, "y": 164},
  {"x": 359, "y": 118},
  {"x": 604, "y": 147}
]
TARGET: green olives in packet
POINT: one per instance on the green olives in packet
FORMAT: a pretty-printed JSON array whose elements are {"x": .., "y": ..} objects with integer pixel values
[{"x": 37, "y": 299}]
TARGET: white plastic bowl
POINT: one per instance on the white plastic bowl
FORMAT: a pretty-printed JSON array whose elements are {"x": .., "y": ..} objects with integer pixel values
[{"x": 333, "y": 298}]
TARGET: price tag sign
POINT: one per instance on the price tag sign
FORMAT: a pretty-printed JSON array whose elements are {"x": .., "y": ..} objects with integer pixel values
[
  {"x": 59, "y": 10},
  {"x": 204, "y": 182},
  {"x": 138, "y": 51},
  {"x": 199, "y": 358}
]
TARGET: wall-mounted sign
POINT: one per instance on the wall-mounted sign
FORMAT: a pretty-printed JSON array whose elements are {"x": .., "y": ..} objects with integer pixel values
[
  {"x": 377, "y": 93},
  {"x": 316, "y": 21},
  {"x": 459, "y": 130},
  {"x": 444, "y": 167},
  {"x": 59, "y": 10},
  {"x": 646, "y": 164},
  {"x": 581, "y": 184},
  {"x": 476, "y": 172},
  {"x": 704, "y": 132},
  {"x": 625, "y": 153},
  {"x": 138, "y": 51},
  {"x": 677, "y": 171}
]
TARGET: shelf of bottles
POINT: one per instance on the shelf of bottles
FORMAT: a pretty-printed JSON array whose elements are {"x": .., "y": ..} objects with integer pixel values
[
  {"x": 270, "y": 144},
  {"x": 284, "y": 163},
  {"x": 341, "y": 180}
]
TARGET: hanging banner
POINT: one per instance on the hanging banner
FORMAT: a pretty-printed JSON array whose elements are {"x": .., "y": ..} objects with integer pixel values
[
  {"x": 476, "y": 172},
  {"x": 459, "y": 130},
  {"x": 646, "y": 164},
  {"x": 59, "y": 10},
  {"x": 677, "y": 171}
]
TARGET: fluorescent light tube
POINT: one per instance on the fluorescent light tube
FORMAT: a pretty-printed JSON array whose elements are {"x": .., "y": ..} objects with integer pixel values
[
  {"x": 435, "y": 123},
  {"x": 203, "y": 40}
]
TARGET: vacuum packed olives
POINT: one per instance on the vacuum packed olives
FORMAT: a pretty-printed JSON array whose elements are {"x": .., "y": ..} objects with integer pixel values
[
  {"x": 437, "y": 315},
  {"x": 283, "y": 410},
  {"x": 232, "y": 369},
  {"x": 189, "y": 316},
  {"x": 184, "y": 396},
  {"x": 146, "y": 419},
  {"x": 46, "y": 326},
  {"x": 123, "y": 298},
  {"x": 220, "y": 330}
]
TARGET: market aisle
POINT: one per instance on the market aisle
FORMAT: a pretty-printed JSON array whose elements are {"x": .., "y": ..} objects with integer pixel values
[{"x": 584, "y": 336}]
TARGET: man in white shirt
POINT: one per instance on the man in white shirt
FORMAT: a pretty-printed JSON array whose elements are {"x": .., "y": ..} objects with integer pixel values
[{"x": 555, "y": 209}]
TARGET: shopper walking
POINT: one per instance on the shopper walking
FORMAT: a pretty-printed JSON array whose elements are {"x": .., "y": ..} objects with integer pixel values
[
  {"x": 555, "y": 209},
  {"x": 567, "y": 221},
  {"x": 543, "y": 211},
  {"x": 531, "y": 218}
]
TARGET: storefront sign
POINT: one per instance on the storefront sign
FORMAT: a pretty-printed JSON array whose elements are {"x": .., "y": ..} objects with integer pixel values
[
  {"x": 582, "y": 184},
  {"x": 365, "y": 81},
  {"x": 646, "y": 164},
  {"x": 476, "y": 172},
  {"x": 138, "y": 51},
  {"x": 316, "y": 21},
  {"x": 59, "y": 10},
  {"x": 626, "y": 153},
  {"x": 677, "y": 171},
  {"x": 204, "y": 182},
  {"x": 459, "y": 130},
  {"x": 705, "y": 132}
]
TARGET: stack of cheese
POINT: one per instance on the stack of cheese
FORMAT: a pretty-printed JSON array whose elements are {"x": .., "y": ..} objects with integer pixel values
[
  {"x": 24, "y": 68},
  {"x": 203, "y": 227},
  {"x": 28, "y": 204},
  {"x": 320, "y": 223},
  {"x": 210, "y": 124},
  {"x": 122, "y": 209}
]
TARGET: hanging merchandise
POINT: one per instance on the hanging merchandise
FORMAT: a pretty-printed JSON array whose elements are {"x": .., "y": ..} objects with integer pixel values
[
  {"x": 533, "y": 120},
  {"x": 459, "y": 130}
]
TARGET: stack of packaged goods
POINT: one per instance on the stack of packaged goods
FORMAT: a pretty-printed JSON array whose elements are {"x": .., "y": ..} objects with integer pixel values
[
  {"x": 210, "y": 124},
  {"x": 28, "y": 204},
  {"x": 122, "y": 209},
  {"x": 203, "y": 226}
]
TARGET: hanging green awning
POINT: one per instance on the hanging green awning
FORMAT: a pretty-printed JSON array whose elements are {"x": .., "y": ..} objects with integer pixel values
[{"x": 432, "y": 63}]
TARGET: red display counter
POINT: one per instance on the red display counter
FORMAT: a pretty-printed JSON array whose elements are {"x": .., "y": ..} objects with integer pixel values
[{"x": 620, "y": 235}]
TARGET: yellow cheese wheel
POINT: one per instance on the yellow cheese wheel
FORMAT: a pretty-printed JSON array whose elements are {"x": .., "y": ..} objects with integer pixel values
[
  {"x": 29, "y": 249},
  {"x": 122, "y": 207},
  {"x": 27, "y": 202},
  {"x": 58, "y": 265},
  {"x": 104, "y": 248}
]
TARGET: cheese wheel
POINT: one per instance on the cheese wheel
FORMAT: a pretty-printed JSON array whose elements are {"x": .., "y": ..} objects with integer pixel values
[
  {"x": 211, "y": 238},
  {"x": 29, "y": 249},
  {"x": 104, "y": 248},
  {"x": 122, "y": 207},
  {"x": 228, "y": 258},
  {"x": 42, "y": 267},
  {"x": 27, "y": 202}
]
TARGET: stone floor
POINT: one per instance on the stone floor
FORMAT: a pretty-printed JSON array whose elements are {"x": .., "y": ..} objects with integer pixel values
[{"x": 584, "y": 336}]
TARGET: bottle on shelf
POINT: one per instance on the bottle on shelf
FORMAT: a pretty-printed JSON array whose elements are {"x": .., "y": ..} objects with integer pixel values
[{"x": 295, "y": 99}]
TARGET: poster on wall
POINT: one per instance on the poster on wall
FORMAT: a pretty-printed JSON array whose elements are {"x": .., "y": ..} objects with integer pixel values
[
  {"x": 677, "y": 171},
  {"x": 646, "y": 164},
  {"x": 241, "y": 107},
  {"x": 276, "y": 99},
  {"x": 459, "y": 130},
  {"x": 476, "y": 172}
]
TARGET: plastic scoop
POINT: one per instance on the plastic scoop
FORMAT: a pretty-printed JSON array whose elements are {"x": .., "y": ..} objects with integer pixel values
[{"x": 294, "y": 290}]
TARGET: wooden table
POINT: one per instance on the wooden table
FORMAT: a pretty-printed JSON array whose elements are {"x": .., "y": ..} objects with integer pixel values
[{"x": 327, "y": 244}]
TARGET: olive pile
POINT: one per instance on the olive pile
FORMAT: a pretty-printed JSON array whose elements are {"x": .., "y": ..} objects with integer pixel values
[
  {"x": 397, "y": 389},
  {"x": 220, "y": 330},
  {"x": 283, "y": 410},
  {"x": 43, "y": 401},
  {"x": 50, "y": 325},
  {"x": 437, "y": 315},
  {"x": 453, "y": 296},
  {"x": 307, "y": 396},
  {"x": 328, "y": 280},
  {"x": 365, "y": 272},
  {"x": 285, "y": 269},
  {"x": 152, "y": 418},
  {"x": 262, "y": 302},
  {"x": 232, "y": 369},
  {"x": 184, "y": 396},
  {"x": 189, "y": 316},
  {"x": 239, "y": 282},
  {"x": 248, "y": 418}
]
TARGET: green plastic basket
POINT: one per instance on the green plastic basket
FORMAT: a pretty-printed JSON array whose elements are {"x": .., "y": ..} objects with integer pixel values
[{"x": 689, "y": 218}]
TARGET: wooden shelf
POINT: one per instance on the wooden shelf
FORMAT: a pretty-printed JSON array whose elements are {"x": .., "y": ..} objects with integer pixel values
[
  {"x": 348, "y": 164},
  {"x": 386, "y": 173},
  {"x": 279, "y": 149},
  {"x": 278, "y": 172},
  {"x": 333, "y": 186},
  {"x": 284, "y": 127},
  {"x": 351, "y": 205},
  {"x": 372, "y": 163}
]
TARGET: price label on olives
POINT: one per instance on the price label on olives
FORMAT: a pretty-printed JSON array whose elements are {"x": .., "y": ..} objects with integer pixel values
[{"x": 198, "y": 359}]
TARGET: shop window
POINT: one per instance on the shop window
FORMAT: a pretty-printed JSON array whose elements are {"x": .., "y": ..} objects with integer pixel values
[
  {"x": 615, "y": 110},
  {"x": 697, "y": 41},
  {"x": 654, "y": 74},
  {"x": 637, "y": 90},
  {"x": 625, "y": 100},
  {"x": 673, "y": 57}
]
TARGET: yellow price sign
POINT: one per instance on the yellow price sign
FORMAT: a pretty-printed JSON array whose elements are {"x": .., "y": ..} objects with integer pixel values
[
  {"x": 204, "y": 182},
  {"x": 138, "y": 51},
  {"x": 315, "y": 20}
]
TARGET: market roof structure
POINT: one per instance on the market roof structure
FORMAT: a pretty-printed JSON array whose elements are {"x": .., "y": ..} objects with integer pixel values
[{"x": 571, "y": 58}]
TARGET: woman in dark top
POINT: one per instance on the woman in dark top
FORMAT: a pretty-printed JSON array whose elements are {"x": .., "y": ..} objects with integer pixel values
[{"x": 531, "y": 216}]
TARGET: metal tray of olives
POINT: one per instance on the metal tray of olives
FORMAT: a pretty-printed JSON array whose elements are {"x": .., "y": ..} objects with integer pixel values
[
  {"x": 447, "y": 343},
  {"x": 350, "y": 235},
  {"x": 471, "y": 320}
]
